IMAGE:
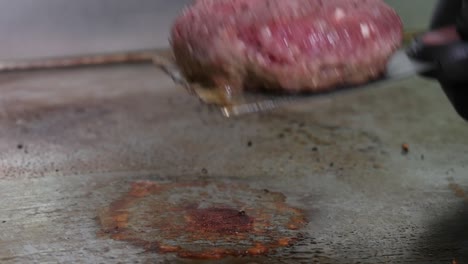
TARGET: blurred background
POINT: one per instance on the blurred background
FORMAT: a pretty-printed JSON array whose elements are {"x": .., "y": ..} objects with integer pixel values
[{"x": 37, "y": 28}]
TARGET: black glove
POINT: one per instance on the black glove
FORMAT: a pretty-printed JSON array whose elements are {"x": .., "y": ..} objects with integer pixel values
[
  {"x": 462, "y": 20},
  {"x": 449, "y": 51}
]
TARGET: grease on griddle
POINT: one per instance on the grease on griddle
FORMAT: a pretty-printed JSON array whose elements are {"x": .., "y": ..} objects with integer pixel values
[{"x": 202, "y": 220}]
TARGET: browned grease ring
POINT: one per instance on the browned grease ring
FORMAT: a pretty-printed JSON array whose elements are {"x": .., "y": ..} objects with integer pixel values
[{"x": 202, "y": 220}]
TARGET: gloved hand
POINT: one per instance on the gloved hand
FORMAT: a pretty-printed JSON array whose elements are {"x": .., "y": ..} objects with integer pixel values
[{"x": 447, "y": 45}]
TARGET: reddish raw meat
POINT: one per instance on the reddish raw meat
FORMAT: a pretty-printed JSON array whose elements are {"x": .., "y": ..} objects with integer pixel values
[{"x": 292, "y": 45}]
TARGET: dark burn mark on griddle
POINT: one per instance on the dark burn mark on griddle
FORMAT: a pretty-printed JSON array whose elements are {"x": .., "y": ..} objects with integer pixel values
[
  {"x": 249, "y": 143},
  {"x": 365, "y": 149},
  {"x": 19, "y": 146},
  {"x": 220, "y": 220},
  {"x": 203, "y": 220},
  {"x": 405, "y": 148},
  {"x": 80, "y": 110},
  {"x": 321, "y": 143}
]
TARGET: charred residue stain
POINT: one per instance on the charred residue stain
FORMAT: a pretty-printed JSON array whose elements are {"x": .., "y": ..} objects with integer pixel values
[
  {"x": 322, "y": 145},
  {"x": 405, "y": 148},
  {"x": 219, "y": 220},
  {"x": 203, "y": 220}
]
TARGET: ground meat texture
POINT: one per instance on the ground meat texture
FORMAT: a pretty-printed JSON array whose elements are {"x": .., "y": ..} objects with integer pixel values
[{"x": 291, "y": 45}]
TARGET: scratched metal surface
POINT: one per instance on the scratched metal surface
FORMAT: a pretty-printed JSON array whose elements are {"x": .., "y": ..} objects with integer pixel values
[{"x": 73, "y": 141}]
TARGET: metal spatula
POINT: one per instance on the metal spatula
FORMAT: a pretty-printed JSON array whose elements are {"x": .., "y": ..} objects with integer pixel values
[{"x": 399, "y": 67}]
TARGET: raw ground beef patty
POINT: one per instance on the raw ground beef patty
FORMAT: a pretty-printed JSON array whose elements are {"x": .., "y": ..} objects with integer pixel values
[{"x": 292, "y": 45}]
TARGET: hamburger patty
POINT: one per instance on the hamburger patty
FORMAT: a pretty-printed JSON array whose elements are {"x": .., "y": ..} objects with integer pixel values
[{"x": 291, "y": 45}]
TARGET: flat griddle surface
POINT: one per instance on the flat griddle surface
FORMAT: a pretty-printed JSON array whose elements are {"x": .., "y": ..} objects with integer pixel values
[{"x": 73, "y": 142}]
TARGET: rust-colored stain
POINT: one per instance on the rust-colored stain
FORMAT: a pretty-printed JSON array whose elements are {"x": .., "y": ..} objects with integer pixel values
[
  {"x": 459, "y": 192},
  {"x": 219, "y": 220},
  {"x": 405, "y": 148},
  {"x": 203, "y": 220},
  {"x": 457, "y": 189}
]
